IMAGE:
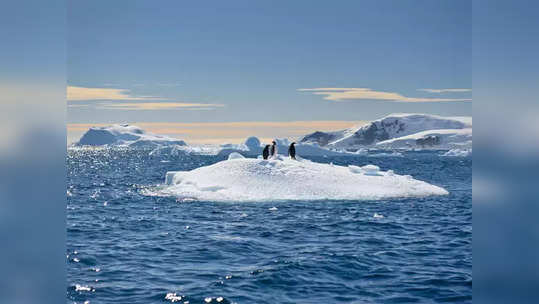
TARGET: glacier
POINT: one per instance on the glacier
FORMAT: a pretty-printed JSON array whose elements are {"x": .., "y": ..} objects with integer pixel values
[{"x": 240, "y": 179}]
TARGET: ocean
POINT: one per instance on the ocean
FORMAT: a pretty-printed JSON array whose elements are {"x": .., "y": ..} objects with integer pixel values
[{"x": 127, "y": 246}]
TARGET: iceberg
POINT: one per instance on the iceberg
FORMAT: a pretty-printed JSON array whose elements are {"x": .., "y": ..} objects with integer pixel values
[
  {"x": 255, "y": 180},
  {"x": 395, "y": 131},
  {"x": 125, "y": 135}
]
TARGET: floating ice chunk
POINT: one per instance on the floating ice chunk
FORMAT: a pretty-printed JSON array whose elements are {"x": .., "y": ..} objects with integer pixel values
[
  {"x": 235, "y": 155},
  {"x": 458, "y": 153},
  {"x": 376, "y": 215},
  {"x": 273, "y": 209},
  {"x": 173, "y": 297},
  {"x": 386, "y": 154},
  {"x": 252, "y": 143},
  {"x": 79, "y": 287},
  {"x": 247, "y": 179}
]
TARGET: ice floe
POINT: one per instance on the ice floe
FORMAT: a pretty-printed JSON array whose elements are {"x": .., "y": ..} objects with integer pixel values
[{"x": 248, "y": 179}]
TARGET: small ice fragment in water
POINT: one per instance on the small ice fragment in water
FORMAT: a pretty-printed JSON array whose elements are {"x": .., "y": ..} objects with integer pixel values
[
  {"x": 219, "y": 299},
  {"x": 173, "y": 297},
  {"x": 207, "y": 300},
  {"x": 187, "y": 227},
  {"x": 76, "y": 260},
  {"x": 243, "y": 215},
  {"x": 82, "y": 288},
  {"x": 105, "y": 203},
  {"x": 273, "y": 209},
  {"x": 228, "y": 277},
  {"x": 376, "y": 215}
]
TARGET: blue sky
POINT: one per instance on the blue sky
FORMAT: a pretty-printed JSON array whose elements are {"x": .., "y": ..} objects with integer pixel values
[{"x": 236, "y": 61}]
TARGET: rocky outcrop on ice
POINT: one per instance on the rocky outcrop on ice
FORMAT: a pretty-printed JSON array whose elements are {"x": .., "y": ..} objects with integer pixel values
[
  {"x": 125, "y": 135},
  {"x": 428, "y": 131},
  {"x": 241, "y": 179}
]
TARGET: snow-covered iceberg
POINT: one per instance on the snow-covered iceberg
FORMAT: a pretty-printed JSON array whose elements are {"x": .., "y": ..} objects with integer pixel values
[
  {"x": 125, "y": 135},
  {"x": 246, "y": 179},
  {"x": 396, "y": 127}
]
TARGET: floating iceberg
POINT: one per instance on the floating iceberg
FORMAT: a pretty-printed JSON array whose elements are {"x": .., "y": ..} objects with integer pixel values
[
  {"x": 397, "y": 131},
  {"x": 248, "y": 179},
  {"x": 125, "y": 135}
]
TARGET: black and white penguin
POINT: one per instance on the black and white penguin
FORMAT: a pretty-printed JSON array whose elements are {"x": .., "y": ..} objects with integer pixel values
[
  {"x": 273, "y": 149},
  {"x": 292, "y": 151},
  {"x": 265, "y": 152}
]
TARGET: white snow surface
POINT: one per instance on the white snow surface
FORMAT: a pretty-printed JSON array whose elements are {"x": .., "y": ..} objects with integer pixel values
[
  {"x": 125, "y": 135},
  {"x": 390, "y": 127},
  {"x": 256, "y": 180},
  {"x": 449, "y": 139}
]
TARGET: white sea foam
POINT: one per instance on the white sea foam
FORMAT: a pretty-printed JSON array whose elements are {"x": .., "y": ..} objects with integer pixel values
[{"x": 247, "y": 179}]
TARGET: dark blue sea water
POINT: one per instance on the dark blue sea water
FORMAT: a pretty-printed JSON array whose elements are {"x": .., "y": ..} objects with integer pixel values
[{"x": 126, "y": 247}]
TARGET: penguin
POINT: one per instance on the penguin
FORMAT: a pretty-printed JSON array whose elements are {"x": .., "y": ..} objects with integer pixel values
[
  {"x": 265, "y": 153},
  {"x": 292, "y": 151},
  {"x": 273, "y": 150}
]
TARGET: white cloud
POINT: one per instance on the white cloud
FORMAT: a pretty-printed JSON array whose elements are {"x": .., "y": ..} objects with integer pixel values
[
  {"x": 148, "y": 106},
  {"x": 445, "y": 90},
  {"x": 111, "y": 99},
  {"x": 82, "y": 93},
  {"x": 339, "y": 94}
]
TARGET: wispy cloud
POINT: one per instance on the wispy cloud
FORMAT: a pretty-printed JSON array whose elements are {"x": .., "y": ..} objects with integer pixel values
[
  {"x": 445, "y": 90},
  {"x": 340, "y": 94},
  {"x": 114, "y": 99},
  {"x": 75, "y": 93},
  {"x": 159, "y": 106}
]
